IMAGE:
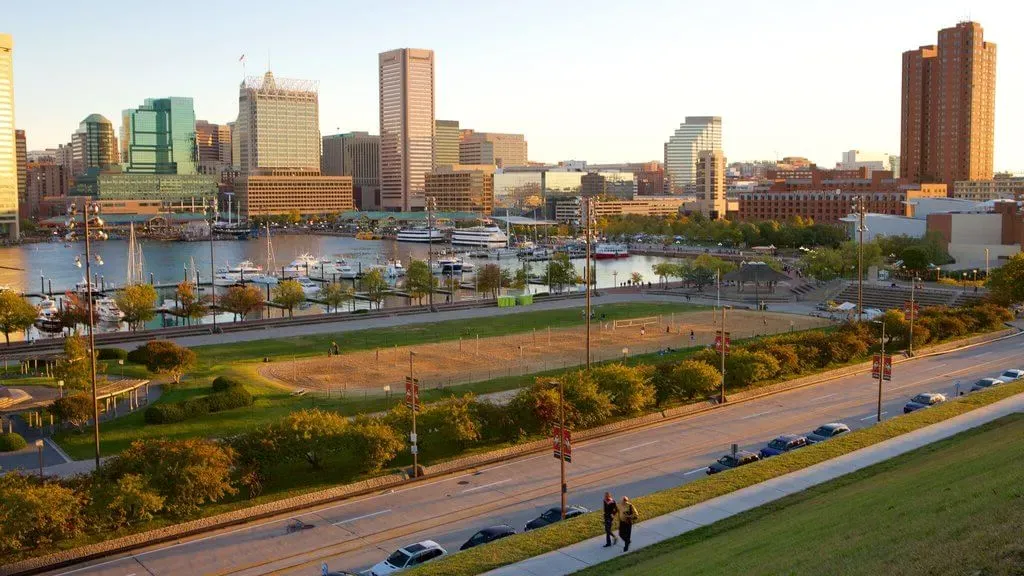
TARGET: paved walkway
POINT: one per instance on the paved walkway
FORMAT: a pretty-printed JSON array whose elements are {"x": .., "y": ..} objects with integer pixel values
[{"x": 590, "y": 552}]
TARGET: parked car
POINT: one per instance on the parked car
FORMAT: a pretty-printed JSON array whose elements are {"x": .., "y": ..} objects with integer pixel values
[
  {"x": 783, "y": 444},
  {"x": 924, "y": 400},
  {"x": 488, "y": 535},
  {"x": 412, "y": 555},
  {"x": 985, "y": 383},
  {"x": 552, "y": 515},
  {"x": 730, "y": 461},
  {"x": 826, "y": 431},
  {"x": 1011, "y": 375}
]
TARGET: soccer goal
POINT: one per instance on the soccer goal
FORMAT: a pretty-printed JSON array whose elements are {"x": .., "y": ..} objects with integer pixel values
[{"x": 635, "y": 322}]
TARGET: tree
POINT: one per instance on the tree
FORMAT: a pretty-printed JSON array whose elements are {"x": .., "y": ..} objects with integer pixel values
[
  {"x": 186, "y": 473},
  {"x": 189, "y": 303},
  {"x": 136, "y": 302},
  {"x": 419, "y": 280},
  {"x": 293, "y": 217},
  {"x": 166, "y": 357},
  {"x": 521, "y": 279},
  {"x": 637, "y": 278},
  {"x": 288, "y": 293},
  {"x": 664, "y": 270},
  {"x": 334, "y": 294},
  {"x": 561, "y": 273},
  {"x": 127, "y": 501},
  {"x": 374, "y": 284},
  {"x": 714, "y": 264},
  {"x": 16, "y": 313},
  {"x": 691, "y": 378},
  {"x": 241, "y": 300},
  {"x": 489, "y": 279},
  {"x": 370, "y": 444},
  {"x": 34, "y": 513},
  {"x": 74, "y": 368},
  {"x": 309, "y": 435},
  {"x": 75, "y": 409},
  {"x": 1006, "y": 283},
  {"x": 823, "y": 264},
  {"x": 916, "y": 258},
  {"x": 585, "y": 405},
  {"x": 75, "y": 311},
  {"x": 628, "y": 387},
  {"x": 447, "y": 427}
]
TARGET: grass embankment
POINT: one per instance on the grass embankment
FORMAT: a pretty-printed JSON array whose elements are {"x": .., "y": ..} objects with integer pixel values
[
  {"x": 953, "y": 507},
  {"x": 523, "y": 546},
  {"x": 272, "y": 402}
]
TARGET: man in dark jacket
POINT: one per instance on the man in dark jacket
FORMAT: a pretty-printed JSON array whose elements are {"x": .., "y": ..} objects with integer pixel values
[{"x": 611, "y": 510}]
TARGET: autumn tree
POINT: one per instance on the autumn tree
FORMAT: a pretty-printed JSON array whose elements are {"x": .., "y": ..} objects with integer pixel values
[
  {"x": 374, "y": 285},
  {"x": 189, "y": 303},
  {"x": 241, "y": 300},
  {"x": 74, "y": 368},
  {"x": 16, "y": 313},
  {"x": 419, "y": 280},
  {"x": 489, "y": 279},
  {"x": 289, "y": 294},
  {"x": 166, "y": 357},
  {"x": 334, "y": 294},
  {"x": 136, "y": 302},
  {"x": 1006, "y": 283}
]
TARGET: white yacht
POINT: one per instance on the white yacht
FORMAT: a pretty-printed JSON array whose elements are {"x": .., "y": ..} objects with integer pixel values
[
  {"x": 48, "y": 317},
  {"x": 107, "y": 310},
  {"x": 487, "y": 236},
  {"x": 306, "y": 264},
  {"x": 82, "y": 287},
  {"x": 244, "y": 270},
  {"x": 309, "y": 288},
  {"x": 448, "y": 265},
  {"x": 344, "y": 270},
  {"x": 419, "y": 234},
  {"x": 397, "y": 265},
  {"x": 468, "y": 266}
]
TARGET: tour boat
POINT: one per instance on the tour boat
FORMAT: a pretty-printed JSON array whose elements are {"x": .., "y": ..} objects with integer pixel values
[
  {"x": 48, "y": 317},
  {"x": 487, "y": 236},
  {"x": 419, "y": 234},
  {"x": 605, "y": 251},
  {"x": 107, "y": 310}
]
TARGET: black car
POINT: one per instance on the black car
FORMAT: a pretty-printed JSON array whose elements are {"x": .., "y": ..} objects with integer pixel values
[
  {"x": 730, "y": 461},
  {"x": 552, "y": 515},
  {"x": 924, "y": 400},
  {"x": 489, "y": 535},
  {"x": 826, "y": 431}
]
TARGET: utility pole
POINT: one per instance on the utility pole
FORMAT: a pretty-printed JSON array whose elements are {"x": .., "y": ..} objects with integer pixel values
[
  {"x": 860, "y": 259},
  {"x": 913, "y": 314},
  {"x": 561, "y": 442},
  {"x": 587, "y": 279},
  {"x": 986, "y": 263},
  {"x": 881, "y": 372},
  {"x": 722, "y": 342},
  {"x": 430, "y": 251},
  {"x": 91, "y": 209},
  {"x": 415, "y": 406},
  {"x": 213, "y": 276}
]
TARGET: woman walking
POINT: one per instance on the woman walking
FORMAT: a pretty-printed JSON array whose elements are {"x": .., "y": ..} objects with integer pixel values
[{"x": 628, "y": 514}]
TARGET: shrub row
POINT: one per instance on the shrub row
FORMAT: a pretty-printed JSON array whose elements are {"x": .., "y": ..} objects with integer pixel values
[
  {"x": 171, "y": 412},
  {"x": 111, "y": 354}
]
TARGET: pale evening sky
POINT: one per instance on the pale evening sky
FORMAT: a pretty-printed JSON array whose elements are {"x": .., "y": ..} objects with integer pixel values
[{"x": 602, "y": 80}]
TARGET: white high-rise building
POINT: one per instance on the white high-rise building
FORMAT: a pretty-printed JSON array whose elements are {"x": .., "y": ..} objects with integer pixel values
[
  {"x": 856, "y": 159},
  {"x": 278, "y": 124},
  {"x": 8, "y": 148},
  {"x": 682, "y": 151},
  {"x": 407, "y": 128}
]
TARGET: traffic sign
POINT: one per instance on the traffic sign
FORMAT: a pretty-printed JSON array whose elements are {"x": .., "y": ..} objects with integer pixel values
[
  {"x": 562, "y": 439},
  {"x": 412, "y": 393},
  {"x": 718, "y": 341}
]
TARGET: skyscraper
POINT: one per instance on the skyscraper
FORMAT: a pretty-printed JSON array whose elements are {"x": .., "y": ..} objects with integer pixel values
[
  {"x": 696, "y": 134},
  {"x": 213, "y": 147},
  {"x": 711, "y": 183},
  {"x": 8, "y": 149},
  {"x": 446, "y": 142},
  {"x": 21, "y": 156},
  {"x": 493, "y": 148},
  {"x": 159, "y": 137},
  {"x": 93, "y": 145},
  {"x": 947, "y": 120},
  {"x": 278, "y": 124},
  {"x": 406, "y": 126},
  {"x": 355, "y": 154}
]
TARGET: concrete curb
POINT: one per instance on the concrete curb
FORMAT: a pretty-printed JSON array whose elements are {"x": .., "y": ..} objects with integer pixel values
[{"x": 244, "y": 515}]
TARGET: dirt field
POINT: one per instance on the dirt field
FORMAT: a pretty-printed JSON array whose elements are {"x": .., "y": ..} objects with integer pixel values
[{"x": 473, "y": 360}]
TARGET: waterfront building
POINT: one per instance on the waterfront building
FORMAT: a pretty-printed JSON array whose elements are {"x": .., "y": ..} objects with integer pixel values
[
  {"x": 682, "y": 150},
  {"x": 8, "y": 147},
  {"x": 274, "y": 192},
  {"x": 710, "y": 192},
  {"x": 616, "y": 184},
  {"x": 406, "y": 126},
  {"x": 567, "y": 210},
  {"x": 947, "y": 120},
  {"x": 446, "y": 142},
  {"x": 495, "y": 148},
  {"x": 462, "y": 188},
  {"x": 159, "y": 137},
  {"x": 278, "y": 124},
  {"x": 172, "y": 188},
  {"x": 998, "y": 188},
  {"x": 355, "y": 154}
]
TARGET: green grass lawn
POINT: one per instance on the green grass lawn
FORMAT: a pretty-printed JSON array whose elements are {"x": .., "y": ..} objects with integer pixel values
[
  {"x": 272, "y": 402},
  {"x": 954, "y": 507}
]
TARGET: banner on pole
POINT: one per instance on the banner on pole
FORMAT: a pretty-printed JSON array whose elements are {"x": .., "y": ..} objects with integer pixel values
[
  {"x": 881, "y": 367},
  {"x": 562, "y": 443},
  {"x": 412, "y": 393},
  {"x": 718, "y": 341}
]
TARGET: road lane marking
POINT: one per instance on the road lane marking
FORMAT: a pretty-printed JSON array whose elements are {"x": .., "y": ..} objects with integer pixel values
[
  {"x": 640, "y": 445},
  {"x": 873, "y": 416},
  {"x": 371, "y": 515},
  {"x": 825, "y": 396},
  {"x": 695, "y": 470},
  {"x": 756, "y": 415},
  {"x": 486, "y": 485}
]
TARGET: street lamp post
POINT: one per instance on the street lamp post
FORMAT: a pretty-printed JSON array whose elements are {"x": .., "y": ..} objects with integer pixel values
[
  {"x": 588, "y": 280},
  {"x": 561, "y": 443},
  {"x": 881, "y": 371},
  {"x": 860, "y": 259},
  {"x": 39, "y": 448},
  {"x": 722, "y": 348},
  {"x": 213, "y": 284},
  {"x": 415, "y": 404},
  {"x": 913, "y": 314},
  {"x": 430, "y": 249}
]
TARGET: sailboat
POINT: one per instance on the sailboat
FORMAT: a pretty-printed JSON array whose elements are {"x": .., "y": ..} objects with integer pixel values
[
  {"x": 268, "y": 276},
  {"x": 136, "y": 271}
]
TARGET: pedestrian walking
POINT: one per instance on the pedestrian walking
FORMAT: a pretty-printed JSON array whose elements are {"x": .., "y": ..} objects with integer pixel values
[
  {"x": 628, "y": 514},
  {"x": 611, "y": 510},
  {"x": 643, "y": 331}
]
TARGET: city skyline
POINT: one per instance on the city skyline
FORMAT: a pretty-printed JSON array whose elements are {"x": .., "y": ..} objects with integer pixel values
[{"x": 484, "y": 76}]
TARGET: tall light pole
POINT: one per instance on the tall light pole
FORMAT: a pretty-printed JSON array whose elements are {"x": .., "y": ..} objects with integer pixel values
[
  {"x": 881, "y": 372},
  {"x": 415, "y": 404},
  {"x": 913, "y": 314},
  {"x": 587, "y": 279},
  {"x": 213, "y": 275},
  {"x": 860, "y": 258},
  {"x": 430, "y": 249},
  {"x": 722, "y": 342},
  {"x": 561, "y": 443},
  {"x": 986, "y": 263}
]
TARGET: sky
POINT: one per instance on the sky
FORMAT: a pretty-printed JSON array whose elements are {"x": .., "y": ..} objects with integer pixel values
[{"x": 598, "y": 80}]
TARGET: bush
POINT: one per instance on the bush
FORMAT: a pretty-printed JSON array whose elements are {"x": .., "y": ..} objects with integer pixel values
[
  {"x": 690, "y": 379},
  {"x": 371, "y": 444},
  {"x": 75, "y": 409},
  {"x": 36, "y": 513},
  {"x": 171, "y": 412},
  {"x": 447, "y": 427},
  {"x": 11, "y": 442},
  {"x": 164, "y": 413},
  {"x": 628, "y": 387},
  {"x": 128, "y": 501},
  {"x": 111, "y": 354},
  {"x": 237, "y": 397},
  {"x": 222, "y": 383},
  {"x": 164, "y": 357},
  {"x": 536, "y": 407}
]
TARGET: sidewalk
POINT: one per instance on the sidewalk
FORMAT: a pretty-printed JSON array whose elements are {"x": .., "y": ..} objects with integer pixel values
[{"x": 591, "y": 552}]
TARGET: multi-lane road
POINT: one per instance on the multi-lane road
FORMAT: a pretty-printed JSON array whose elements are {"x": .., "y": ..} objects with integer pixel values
[{"x": 355, "y": 534}]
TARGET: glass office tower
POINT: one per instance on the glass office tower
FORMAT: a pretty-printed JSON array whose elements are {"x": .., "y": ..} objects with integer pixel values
[{"x": 159, "y": 137}]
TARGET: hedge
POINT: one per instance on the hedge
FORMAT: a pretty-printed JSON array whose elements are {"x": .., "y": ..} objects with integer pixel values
[
  {"x": 171, "y": 412},
  {"x": 534, "y": 543},
  {"x": 222, "y": 383},
  {"x": 11, "y": 441},
  {"x": 111, "y": 354}
]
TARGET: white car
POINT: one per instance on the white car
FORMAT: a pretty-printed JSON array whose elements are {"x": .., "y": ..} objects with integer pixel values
[
  {"x": 412, "y": 555},
  {"x": 1011, "y": 375}
]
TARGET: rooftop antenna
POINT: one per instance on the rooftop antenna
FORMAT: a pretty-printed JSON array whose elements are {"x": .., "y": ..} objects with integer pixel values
[{"x": 242, "y": 60}]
